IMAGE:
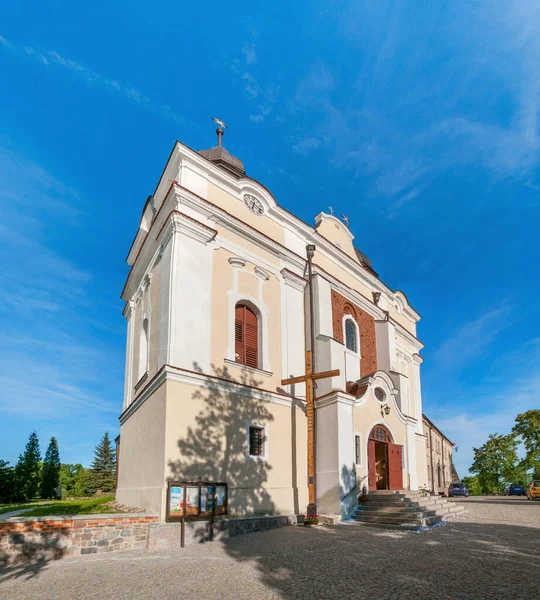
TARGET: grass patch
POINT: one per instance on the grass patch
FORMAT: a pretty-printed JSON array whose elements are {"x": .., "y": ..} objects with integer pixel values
[{"x": 71, "y": 507}]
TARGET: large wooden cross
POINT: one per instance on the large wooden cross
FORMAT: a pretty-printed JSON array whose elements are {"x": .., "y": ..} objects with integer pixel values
[{"x": 309, "y": 378}]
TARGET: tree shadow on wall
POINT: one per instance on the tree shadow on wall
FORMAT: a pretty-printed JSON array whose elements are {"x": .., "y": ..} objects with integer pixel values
[
  {"x": 31, "y": 553},
  {"x": 215, "y": 448}
]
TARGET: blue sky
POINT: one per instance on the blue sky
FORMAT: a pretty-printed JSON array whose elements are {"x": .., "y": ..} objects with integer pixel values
[{"x": 420, "y": 122}]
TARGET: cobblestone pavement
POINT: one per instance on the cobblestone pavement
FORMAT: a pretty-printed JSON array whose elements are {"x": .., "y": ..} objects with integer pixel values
[{"x": 491, "y": 551}]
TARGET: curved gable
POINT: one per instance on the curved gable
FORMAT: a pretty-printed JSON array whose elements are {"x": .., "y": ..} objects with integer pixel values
[{"x": 336, "y": 232}]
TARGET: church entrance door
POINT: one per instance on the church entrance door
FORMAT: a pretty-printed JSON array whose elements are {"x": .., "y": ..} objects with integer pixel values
[{"x": 385, "y": 471}]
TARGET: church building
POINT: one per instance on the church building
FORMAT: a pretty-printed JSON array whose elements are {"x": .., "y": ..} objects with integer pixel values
[{"x": 219, "y": 313}]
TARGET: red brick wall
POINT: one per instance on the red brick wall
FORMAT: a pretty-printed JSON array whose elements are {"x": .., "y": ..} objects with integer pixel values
[
  {"x": 366, "y": 323},
  {"x": 54, "y": 537}
]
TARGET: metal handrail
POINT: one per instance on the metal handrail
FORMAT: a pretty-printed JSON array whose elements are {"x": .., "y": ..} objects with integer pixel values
[{"x": 354, "y": 488}]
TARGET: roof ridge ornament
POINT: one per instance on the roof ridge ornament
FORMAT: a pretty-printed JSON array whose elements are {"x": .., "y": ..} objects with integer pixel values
[{"x": 220, "y": 129}]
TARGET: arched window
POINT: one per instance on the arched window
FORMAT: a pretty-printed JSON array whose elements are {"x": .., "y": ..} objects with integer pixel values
[
  {"x": 246, "y": 336},
  {"x": 143, "y": 348},
  {"x": 380, "y": 434},
  {"x": 351, "y": 337}
]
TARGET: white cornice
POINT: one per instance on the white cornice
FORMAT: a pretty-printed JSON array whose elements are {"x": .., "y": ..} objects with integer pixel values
[
  {"x": 135, "y": 246},
  {"x": 217, "y": 215},
  {"x": 128, "y": 309},
  {"x": 185, "y": 156},
  {"x": 201, "y": 380},
  {"x": 243, "y": 254},
  {"x": 295, "y": 281},
  {"x": 350, "y": 294},
  {"x": 237, "y": 262},
  {"x": 262, "y": 274},
  {"x": 334, "y": 398},
  {"x": 407, "y": 336},
  {"x": 179, "y": 223}
]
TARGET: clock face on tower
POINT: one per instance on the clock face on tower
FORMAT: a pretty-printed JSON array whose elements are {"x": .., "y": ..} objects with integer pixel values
[{"x": 253, "y": 204}]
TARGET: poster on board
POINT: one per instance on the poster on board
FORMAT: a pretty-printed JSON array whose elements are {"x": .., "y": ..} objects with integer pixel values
[
  {"x": 192, "y": 500},
  {"x": 176, "y": 501}
]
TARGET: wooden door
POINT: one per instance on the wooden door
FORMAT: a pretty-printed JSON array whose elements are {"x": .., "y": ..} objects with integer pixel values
[
  {"x": 395, "y": 461},
  {"x": 372, "y": 471}
]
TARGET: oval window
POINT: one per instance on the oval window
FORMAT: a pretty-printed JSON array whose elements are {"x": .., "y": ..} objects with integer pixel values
[{"x": 380, "y": 394}]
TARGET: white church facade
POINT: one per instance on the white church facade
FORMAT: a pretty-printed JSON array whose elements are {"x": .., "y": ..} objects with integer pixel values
[{"x": 218, "y": 315}]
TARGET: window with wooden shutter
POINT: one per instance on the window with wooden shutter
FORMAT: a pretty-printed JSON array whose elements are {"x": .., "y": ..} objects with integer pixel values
[{"x": 246, "y": 336}]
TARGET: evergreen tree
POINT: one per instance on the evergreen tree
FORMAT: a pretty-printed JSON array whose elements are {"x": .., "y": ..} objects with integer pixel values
[
  {"x": 50, "y": 477},
  {"x": 7, "y": 480},
  {"x": 80, "y": 486},
  {"x": 28, "y": 470},
  {"x": 102, "y": 475}
]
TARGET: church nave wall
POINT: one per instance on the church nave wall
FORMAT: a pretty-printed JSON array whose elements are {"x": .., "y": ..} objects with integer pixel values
[{"x": 207, "y": 437}]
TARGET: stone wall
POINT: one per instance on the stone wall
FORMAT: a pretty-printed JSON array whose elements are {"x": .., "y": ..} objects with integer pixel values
[
  {"x": 162, "y": 536},
  {"x": 24, "y": 539}
]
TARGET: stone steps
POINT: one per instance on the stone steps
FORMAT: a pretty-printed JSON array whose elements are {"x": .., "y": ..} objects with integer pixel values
[
  {"x": 403, "y": 510},
  {"x": 422, "y": 521}
]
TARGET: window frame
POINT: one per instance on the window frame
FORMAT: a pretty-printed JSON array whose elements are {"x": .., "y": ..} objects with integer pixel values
[
  {"x": 349, "y": 317},
  {"x": 144, "y": 332},
  {"x": 358, "y": 449},
  {"x": 264, "y": 456}
]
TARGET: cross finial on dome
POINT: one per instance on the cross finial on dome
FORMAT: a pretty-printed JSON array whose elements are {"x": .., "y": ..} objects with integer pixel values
[{"x": 220, "y": 130}]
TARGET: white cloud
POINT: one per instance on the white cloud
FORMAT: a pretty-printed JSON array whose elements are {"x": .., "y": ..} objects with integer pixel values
[
  {"x": 306, "y": 145},
  {"x": 412, "y": 120},
  {"x": 51, "y": 58},
  {"x": 470, "y": 428},
  {"x": 397, "y": 207},
  {"x": 473, "y": 338},
  {"x": 264, "y": 95},
  {"x": 52, "y": 364},
  {"x": 467, "y": 412},
  {"x": 250, "y": 54}
]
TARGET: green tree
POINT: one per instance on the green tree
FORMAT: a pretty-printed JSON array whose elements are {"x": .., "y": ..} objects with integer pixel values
[
  {"x": 102, "y": 475},
  {"x": 73, "y": 480},
  {"x": 496, "y": 463},
  {"x": 80, "y": 487},
  {"x": 50, "y": 474},
  {"x": 528, "y": 428},
  {"x": 7, "y": 481},
  {"x": 473, "y": 485},
  {"x": 28, "y": 470}
]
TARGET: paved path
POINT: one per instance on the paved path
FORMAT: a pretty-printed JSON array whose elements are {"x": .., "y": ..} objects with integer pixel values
[
  {"x": 491, "y": 551},
  {"x": 16, "y": 513}
]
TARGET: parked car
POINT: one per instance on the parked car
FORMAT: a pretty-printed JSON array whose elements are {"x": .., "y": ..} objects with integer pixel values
[
  {"x": 514, "y": 489},
  {"x": 533, "y": 491},
  {"x": 458, "y": 489}
]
